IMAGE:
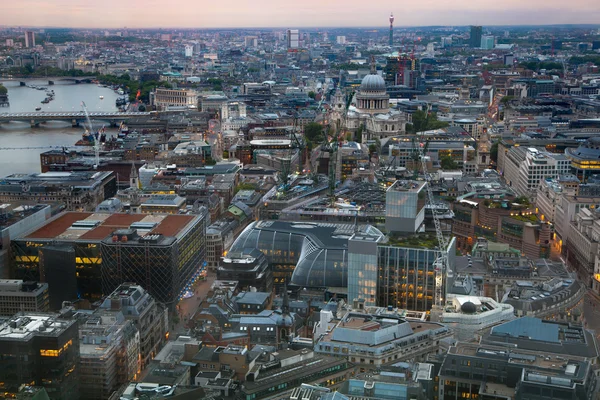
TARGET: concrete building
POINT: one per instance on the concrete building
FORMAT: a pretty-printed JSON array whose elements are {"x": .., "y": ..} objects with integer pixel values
[
  {"x": 149, "y": 317},
  {"x": 165, "y": 99},
  {"x": 405, "y": 206},
  {"x": 15, "y": 221},
  {"x": 495, "y": 372},
  {"x": 375, "y": 337},
  {"x": 18, "y": 296},
  {"x": 525, "y": 168},
  {"x": 78, "y": 191},
  {"x": 582, "y": 245},
  {"x": 293, "y": 39},
  {"x": 40, "y": 350},
  {"x": 466, "y": 315},
  {"x": 487, "y": 42},
  {"x": 29, "y": 39},
  {"x": 109, "y": 348}
]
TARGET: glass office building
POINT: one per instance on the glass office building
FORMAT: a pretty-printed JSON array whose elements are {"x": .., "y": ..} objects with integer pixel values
[{"x": 304, "y": 253}]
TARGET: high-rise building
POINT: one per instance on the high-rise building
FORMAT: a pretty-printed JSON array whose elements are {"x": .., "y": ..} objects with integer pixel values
[
  {"x": 293, "y": 38},
  {"x": 475, "y": 38},
  {"x": 29, "y": 39},
  {"x": 391, "y": 39},
  {"x": 487, "y": 42},
  {"x": 189, "y": 50},
  {"x": 405, "y": 206},
  {"x": 40, "y": 350}
]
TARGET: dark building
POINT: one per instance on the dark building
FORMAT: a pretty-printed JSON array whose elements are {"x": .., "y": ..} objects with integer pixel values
[
  {"x": 164, "y": 263},
  {"x": 475, "y": 38},
  {"x": 523, "y": 359},
  {"x": 40, "y": 350},
  {"x": 249, "y": 267},
  {"x": 78, "y": 238}
]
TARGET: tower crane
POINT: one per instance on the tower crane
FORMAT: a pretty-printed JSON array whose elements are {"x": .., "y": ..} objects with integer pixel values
[
  {"x": 442, "y": 270},
  {"x": 91, "y": 132}
]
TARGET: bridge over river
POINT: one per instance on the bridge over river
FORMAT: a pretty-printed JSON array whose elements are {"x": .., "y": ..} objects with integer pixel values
[{"x": 75, "y": 117}]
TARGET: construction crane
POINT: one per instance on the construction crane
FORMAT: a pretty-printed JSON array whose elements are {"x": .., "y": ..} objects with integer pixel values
[
  {"x": 417, "y": 155},
  {"x": 91, "y": 132},
  {"x": 441, "y": 263}
]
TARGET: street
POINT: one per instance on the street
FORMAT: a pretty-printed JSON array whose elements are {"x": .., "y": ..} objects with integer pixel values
[
  {"x": 187, "y": 307},
  {"x": 591, "y": 312}
]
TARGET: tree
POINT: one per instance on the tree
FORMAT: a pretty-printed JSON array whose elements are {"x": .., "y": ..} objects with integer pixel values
[
  {"x": 312, "y": 94},
  {"x": 494, "y": 152},
  {"x": 359, "y": 134},
  {"x": 3, "y": 89},
  {"x": 448, "y": 163},
  {"x": 372, "y": 149},
  {"x": 424, "y": 121},
  {"x": 348, "y": 136},
  {"x": 244, "y": 186},
  {"x": 313, "y": 132}
]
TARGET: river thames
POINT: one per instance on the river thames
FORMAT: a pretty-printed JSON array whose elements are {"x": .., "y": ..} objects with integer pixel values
[{"x": 68, "y": 97}]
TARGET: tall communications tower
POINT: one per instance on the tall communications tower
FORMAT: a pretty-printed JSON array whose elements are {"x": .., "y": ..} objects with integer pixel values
[{"x": 391, "y": 29}]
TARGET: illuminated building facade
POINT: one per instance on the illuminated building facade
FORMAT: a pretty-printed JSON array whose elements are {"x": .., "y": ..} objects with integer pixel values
[
  {"x": 40, "y": 350},
  {"x": 585, "y": 159}
]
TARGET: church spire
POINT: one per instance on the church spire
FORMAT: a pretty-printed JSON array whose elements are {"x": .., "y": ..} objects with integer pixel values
[
  {"x": 134, "y": 180},
  {"x": 373, "y": 66},
  {"x": 285, "y": 304}
]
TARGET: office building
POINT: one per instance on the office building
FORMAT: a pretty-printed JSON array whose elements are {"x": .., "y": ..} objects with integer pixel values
[
  {"x": 189, "y": 50},
  {"x": 466, "y": 315},
  {"x": 487, "y": 42},
  {"x": 498, "y": 372},
  {"x": 405, "y": 206},
  {"x": 109, "y": 351},
  {"x": 374, "y": 337},
  {"x": 40, "y": 350},
  {"x": 165, "y": 99},
  {"x": 581, "y": 246},
  {"x": 475, "y": 38},
  {"x": 70, "y": 254},
  {"x": 149, "y": 317},
  {"x": 166, "y": 261},
  {"x": 77, "y": 191},
  {"x": 585, "y": 159},
  {"x": 525, "y": 168},
  {"x": 18, "y": 296},
  {"x": 249, "y": 267},
  {"x": 16, "y": 220},
  {"x": 307, "y": 254},
  {"x": 29, "y": 39},
  {"x": 293, "y": 39}
]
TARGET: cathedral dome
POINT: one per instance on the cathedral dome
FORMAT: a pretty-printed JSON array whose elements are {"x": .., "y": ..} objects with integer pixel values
[{"x": 372, "y": 83}]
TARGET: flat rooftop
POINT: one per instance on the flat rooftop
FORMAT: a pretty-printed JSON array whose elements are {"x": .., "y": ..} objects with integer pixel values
[
  {"x": 86, "y": 226},
  {"x": 25, "y": 327}
]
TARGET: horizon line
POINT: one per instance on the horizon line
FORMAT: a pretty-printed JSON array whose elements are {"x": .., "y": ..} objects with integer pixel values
[{"x": 386, "y": 28}]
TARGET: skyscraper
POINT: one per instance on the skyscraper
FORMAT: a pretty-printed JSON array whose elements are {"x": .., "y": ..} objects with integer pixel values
[
  {"x": 391, "y": 43},
  {"x": 29, "y": 39},
  {"x": 293, "y": 38},
  {"x": 475, "y": 39}
]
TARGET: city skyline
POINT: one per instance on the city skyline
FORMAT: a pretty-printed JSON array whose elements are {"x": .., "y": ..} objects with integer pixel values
[{"x": 270, "y": 13}]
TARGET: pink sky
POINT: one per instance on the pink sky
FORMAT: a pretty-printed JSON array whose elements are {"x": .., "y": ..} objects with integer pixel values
[{"x": 292, "y": 13}]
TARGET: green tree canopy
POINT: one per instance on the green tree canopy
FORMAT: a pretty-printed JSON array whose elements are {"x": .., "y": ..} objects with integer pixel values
[
  {"x": 448, "y": 163},
  {"x": 3, "y": 89},
  {"x": 424, "y": 121},
  {"x": 494, "y": 151},
  {"x": 312, "y": 94},
  {"x": 313, "y": 132}
]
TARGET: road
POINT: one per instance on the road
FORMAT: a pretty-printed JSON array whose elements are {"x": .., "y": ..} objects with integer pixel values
[
  {"x": 591, "y": 312},
  {"x": 187, "y": 307}
]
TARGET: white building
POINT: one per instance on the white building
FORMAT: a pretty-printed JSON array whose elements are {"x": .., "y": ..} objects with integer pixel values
[
  {"x": 525, "y": 168},
  {"x": 466, "y": 315},
  {"x": 340, "y": 39},
  {"x": 189, "y": 50},
  {"x": 487, "y": 42}
]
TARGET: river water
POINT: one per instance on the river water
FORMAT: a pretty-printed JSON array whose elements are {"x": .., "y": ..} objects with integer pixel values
[{"x": 68, "y": 97}]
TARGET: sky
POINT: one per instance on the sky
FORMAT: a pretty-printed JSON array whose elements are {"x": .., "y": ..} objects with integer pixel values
[{"x": 292, "y": 13}]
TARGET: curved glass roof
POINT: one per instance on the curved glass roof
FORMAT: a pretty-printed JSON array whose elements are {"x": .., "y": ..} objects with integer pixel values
[{"x": 319, "y": 250}]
